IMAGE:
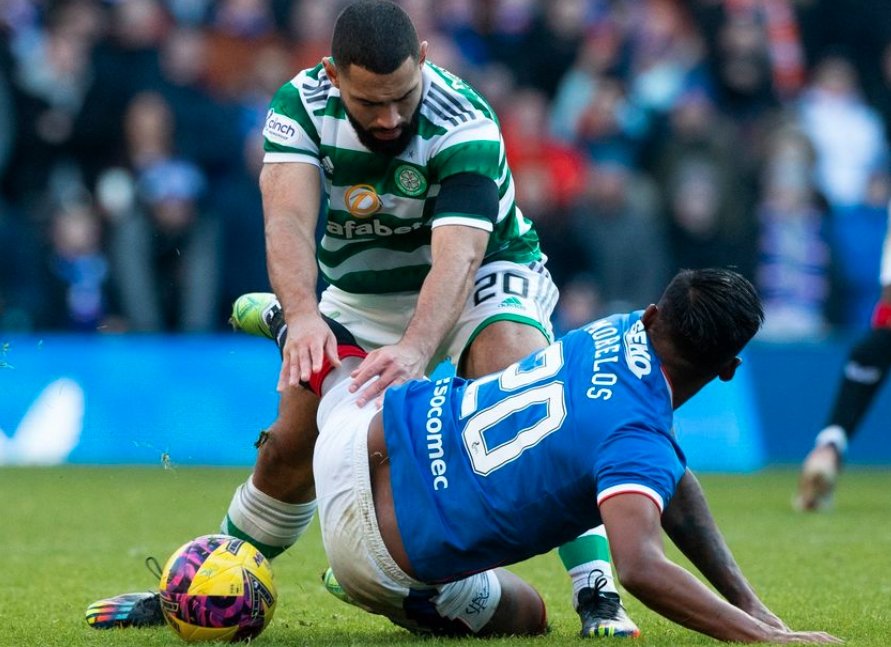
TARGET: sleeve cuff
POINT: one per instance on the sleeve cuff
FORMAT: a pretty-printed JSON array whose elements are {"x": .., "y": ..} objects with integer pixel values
[{"x": 632, "y": 488}]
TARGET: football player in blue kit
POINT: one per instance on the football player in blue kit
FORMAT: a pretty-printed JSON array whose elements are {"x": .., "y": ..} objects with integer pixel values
[{"x": 423, "y": 500}]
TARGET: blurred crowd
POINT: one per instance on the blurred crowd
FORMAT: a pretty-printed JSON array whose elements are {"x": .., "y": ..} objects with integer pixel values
[{"x": 644, "y": 136}]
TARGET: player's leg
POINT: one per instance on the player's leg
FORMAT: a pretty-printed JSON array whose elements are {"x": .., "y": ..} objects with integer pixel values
[
  {"x": 588, "y": 562},
  {"x": 275, "y": 505},
  {"x": 864, "y": 372},
  {"x": 507, "y": 318},
  {"x": 273, "y": 508},
  {"x": 492, "y": 603},
  {"x": 521, "y": 611}
]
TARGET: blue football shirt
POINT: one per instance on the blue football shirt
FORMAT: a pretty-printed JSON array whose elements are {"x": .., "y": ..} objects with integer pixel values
[{"x": 492, "y": 471}]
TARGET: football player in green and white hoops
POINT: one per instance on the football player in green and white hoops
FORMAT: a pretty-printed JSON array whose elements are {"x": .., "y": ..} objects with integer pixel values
[{"x": 426, "y": 255}]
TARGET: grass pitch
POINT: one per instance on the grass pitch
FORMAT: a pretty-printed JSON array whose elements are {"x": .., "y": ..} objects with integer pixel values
[{"x": 75, "y": 534}]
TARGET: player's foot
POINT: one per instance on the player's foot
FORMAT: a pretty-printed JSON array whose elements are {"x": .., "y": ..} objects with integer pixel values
[
  {"x": 603, "y": 615},
  {"x": 817, "y": 481},
  {"x": 334, "y": 588},
  {"x": 258, "y": 313},
  {"x": 126, "y": 610}
]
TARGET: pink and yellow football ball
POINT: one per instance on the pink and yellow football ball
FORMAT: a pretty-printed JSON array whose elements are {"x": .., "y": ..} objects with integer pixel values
[{"x": 217, "y": 587}]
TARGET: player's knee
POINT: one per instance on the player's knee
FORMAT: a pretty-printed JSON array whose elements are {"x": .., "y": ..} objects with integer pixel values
[
  {"x": 520, "y": 612},
  {"x": 281, "y": 473},
  {"x": 276, "y": 453}
]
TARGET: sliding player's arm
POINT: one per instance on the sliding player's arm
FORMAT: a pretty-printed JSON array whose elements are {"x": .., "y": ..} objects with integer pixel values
[
  {"x": 689, "y": 523},
  {"x": 633, "y": 525}
]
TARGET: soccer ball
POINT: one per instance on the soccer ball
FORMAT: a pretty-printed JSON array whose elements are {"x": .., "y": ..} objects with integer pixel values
[{"x": 217, "y": 587}]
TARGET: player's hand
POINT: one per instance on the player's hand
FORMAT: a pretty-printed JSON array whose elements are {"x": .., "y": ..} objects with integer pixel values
[
  {"x": 768, "y": 617},
  {"x": 309, "y": 341},
  {"x": 805, "y": 637},
  {"x": 392, "y": 364}
]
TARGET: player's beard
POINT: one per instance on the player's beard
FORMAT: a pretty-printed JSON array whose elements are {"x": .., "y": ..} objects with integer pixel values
[{"x": 389, "y": 147}]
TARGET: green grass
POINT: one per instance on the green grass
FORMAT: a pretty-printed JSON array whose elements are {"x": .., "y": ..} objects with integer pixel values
[{"x": 74, "y": 534}]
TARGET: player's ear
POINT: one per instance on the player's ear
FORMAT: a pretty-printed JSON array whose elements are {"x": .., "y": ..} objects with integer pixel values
[
  {"x": 331, "y": 70},
  {"x": 729, "y": 370},
  {"x": 649, "y": 315},
  {"x": 423, "y": 53}
]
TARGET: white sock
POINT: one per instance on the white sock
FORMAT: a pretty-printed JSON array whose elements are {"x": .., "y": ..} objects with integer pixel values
[
  {"x": 585, "y": 574},
  {"x": 833, "y": 435},
  {"x": 271, "y": 525}
]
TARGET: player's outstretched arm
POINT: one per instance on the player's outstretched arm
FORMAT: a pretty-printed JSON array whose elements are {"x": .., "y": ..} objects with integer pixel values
[
  {"x": 633, "y": 524},
  {"x": 457, "y": 252},
  {"x": 689, "y": 523},
  {"x": 291, "y": 197}
]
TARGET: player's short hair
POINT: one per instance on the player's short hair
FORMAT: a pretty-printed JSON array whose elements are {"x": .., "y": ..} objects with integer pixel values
[
  {"x": 710, "y": 315},
  {"x": 375, "y": 34}
]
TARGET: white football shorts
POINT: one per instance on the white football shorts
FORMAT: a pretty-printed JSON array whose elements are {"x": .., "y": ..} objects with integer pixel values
[
  {"x": 352, "y": 540},
  {"x": 503, "y": 291}
]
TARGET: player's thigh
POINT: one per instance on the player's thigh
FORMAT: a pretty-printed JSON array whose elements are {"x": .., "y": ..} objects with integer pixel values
[
  {"x": 375, "y": 320},
  {"x": 500, "y": 344},
  {"x": 507, "y": 316}
]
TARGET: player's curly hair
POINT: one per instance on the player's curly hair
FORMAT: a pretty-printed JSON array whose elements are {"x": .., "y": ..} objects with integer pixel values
[
  {"x": 710, "y": 315},
  {"x": 375, "y": 34}
]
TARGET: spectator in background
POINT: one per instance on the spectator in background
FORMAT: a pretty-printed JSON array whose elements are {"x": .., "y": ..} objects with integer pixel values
[
  {"x": 527, "y": 143},
  {"x": 616, "y": 224},
  {"x": 855, "y": 236},
  {"x": 52, "y": 77},
  {"x": 598, "y": 57},
  {"x": 207, "y": 128},
  {"x": 309, "y": 22},
  {"x": 847, "y": 134},
  {"x": 552, "y": 44},
  {"x": 78, "y": 268},
  {"x": 704, "y": 226},
  {"x": 741, "y": 65},
  {"x": 172, "y": 247},
  {"x": 164, "y": 245},
  {"x": 237, "y": 30},
  {"x": 243, "y": 245},
  {"x": 22, "y": 292},
  {"x": 7, "y": 112},
  {"x": 793, "y": 251},
  {"x": 707, "y": 188},
  {"x": 536, "y": 193},
  {"x": 741, "y": 68},
  {"x": 665, "y": 53},
  {"x": 611, "y": 125},
  {"x": 493, "y": 33},
  {"x": 549, "y": 174},
  {"x": 125, "y": 63}
]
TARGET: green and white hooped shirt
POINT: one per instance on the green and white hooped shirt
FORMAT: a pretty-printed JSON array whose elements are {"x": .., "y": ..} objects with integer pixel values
[{"x": 381, "y": 208}]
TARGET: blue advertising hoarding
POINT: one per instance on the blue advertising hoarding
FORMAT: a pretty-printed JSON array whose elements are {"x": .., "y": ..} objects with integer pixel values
[{"x": 202, "y": 400}]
